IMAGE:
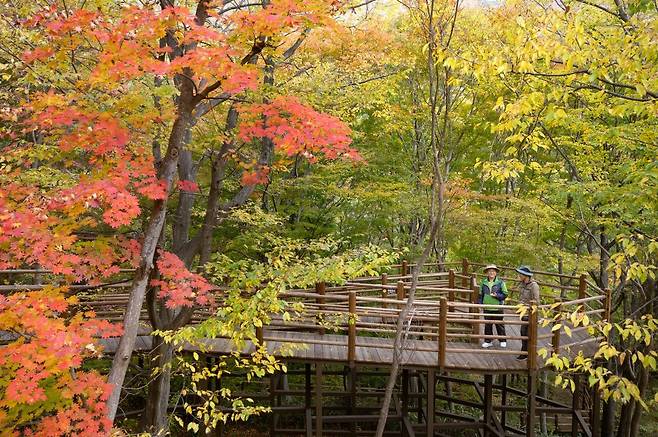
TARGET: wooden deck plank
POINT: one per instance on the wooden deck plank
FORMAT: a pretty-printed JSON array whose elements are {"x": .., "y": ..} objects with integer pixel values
[{"x": 476, "y": 359}]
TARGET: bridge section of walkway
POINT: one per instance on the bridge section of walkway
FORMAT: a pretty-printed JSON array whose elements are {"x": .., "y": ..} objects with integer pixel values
[{"x": 354, "y": 325}]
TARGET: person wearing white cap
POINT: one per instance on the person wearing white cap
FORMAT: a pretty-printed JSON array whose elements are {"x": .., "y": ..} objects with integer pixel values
[{"x": 493, "y": 291}]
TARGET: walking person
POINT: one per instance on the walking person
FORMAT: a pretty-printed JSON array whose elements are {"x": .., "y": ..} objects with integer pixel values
[
  {"x": 493, "y": 291},
  {"x": 528, "y": 292}
]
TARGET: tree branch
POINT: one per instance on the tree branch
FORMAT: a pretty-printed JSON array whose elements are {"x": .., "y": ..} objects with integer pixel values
[{"x": 602, "y": 8}]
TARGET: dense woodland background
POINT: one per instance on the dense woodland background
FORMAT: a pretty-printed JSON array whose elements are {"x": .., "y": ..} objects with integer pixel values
[{"x": 266, "y": 145}]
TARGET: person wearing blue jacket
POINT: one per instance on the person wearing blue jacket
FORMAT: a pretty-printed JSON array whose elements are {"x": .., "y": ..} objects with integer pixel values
[{"x": 493, "y": 291}]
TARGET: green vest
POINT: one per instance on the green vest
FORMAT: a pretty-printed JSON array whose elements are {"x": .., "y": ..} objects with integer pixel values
[{"x": 496, "y": 287}]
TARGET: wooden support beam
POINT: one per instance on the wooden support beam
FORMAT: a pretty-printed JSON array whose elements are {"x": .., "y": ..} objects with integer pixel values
[
  {"x": 531, "y": 404},
  {"x": 583, "y": 424},
  {"x": 451, "y": 285},
  {"x": 503, "y": 400},
  {"x": 464, "y": 273},
  {"x": 352, "y": 398},
  {"x": 384, "y": 292},
  {"x": 272, "y": 395},
  {"x": 318, "y": 399},
  {"x": 448, "y": 387},
  {"x": 488, "y": 403},
  {"x": 576, "y": 401},
  {"x": 307, "y": 400},
  {"x": 595, "y": 412},
  {"x": 320, "y": 288},
  {"x": 431, "y": 406},
  {"x": 532, "y": 336},
  {"x": 474, "y": 299},
  {"x": 405, "y": 268},
  {"x": 405, "y": 400},
  {"x": 351, "y": 330},
  {"x": 418, "y": 400},
  {"x": 400, "y": 292},
  {"x": 556, "y": 334},
  {"x": 308, "y": 422},
  {"x": 443, "y": 332},
  {"x": 582, "y": 289},
  {"x": 408, "y": 427}
]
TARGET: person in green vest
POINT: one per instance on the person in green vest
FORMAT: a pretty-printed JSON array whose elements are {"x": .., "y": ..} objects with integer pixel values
[{"x": 493, "y": 291}]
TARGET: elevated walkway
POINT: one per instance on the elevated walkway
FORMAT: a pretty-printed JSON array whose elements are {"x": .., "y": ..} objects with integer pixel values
[{"x": 353, "y": 327}]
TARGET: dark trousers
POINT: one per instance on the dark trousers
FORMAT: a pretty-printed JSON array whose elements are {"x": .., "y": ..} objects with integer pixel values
[
  {"x": 524, "y": 333},
  {"x": 500, "y": 326}
]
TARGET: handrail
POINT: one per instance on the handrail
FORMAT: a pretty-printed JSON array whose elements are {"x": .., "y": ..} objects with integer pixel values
[
  {"x": 539, "y": 272},
  {"x": 446, "y": 315}
]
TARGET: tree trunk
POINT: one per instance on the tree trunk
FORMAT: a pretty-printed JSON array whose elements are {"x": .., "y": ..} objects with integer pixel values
[
  {"x": 643, "y": 382},
  {"x": 155, "y": 418},
  {"x": 141, "y": 279}
]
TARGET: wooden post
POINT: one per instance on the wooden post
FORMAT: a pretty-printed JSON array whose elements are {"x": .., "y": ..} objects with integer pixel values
[
  {"x": 351, "y": 330},
  {"x": 431, "y": 385},
  {"x": 595, "y": 412},
  {"x": 608, "y": 305},
  {"x": 531, "y": 404},
  {"x": 465, "y": 273},
  {"x": 320, "y": 289},
  {"x": 488, "y": 402},
  {"x": 405, "y": 401},
  {"x": 475, "y": 296},
  {"x": 575, "y": 406},
  {"x": 384, "y": 293},
  {"x": 259, "y": 334},
  {"x": 582, "y": 290},
  {"x": 475, "y": 292},
  {"x": 556, "y": 334},
  {"x": 405, "y": 268},
  {"x": 273, "y": 403},
  {"x": 307, "y": 400},
  {"x": 532, "y": 336},
  {"x": 352, "y": 406},
  {"x": 219, "y": 430},
  {"x": 503, "y": 401},
  {"x": 419, "y": 400},
  {"x": 318, "y": 400},
  {"x": 443, "y": 332},
  {"x": 451, "y": 285},
  {"x": 400, "y": 293}
]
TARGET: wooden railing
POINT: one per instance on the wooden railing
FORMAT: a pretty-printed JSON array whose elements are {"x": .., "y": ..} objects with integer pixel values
[
  {"x": 445, "y": 314},
  {"x": 445, "y": 318}
]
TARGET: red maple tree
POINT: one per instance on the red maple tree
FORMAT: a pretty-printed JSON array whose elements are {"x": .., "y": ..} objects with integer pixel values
[{"x": 80, "y": 160}]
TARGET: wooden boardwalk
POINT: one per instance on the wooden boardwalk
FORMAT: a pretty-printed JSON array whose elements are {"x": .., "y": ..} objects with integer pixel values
[
  {"x": 444, "y": 329},
  {"x": 354, "y": 326},
  {"x": 355, "y": 323},
  {"x": 376, "y": 351}
]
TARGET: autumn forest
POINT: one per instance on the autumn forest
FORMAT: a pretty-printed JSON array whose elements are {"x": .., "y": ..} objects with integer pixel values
[{"x": 277, "y": 217}]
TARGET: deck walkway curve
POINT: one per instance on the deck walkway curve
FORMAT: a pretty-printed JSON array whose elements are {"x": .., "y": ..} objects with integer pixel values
[
  {"x": 444, "y": 329},
  {"x": 353, "y": 326}
]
